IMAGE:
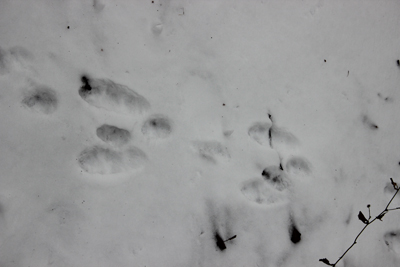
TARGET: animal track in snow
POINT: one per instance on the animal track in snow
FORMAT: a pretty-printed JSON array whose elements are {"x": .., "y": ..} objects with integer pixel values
[
  {"x": 15, "y": 58},
  {"x": 278, "y": 136},
  {"x": 211, "y": 150},
  {"x": 157, "y": 126},
  {"x": 268, "y": 190},
  {"x": 271, "y": 189},
  {"x": 101, "y": 160},
  {"x": 392, "y": 240},
  {"x": 275, "y": 177},
  {"x": 41, "y": 99},
  {"x": 260, "y": 191},
  {"x": 113, "y": 135},
  {"x": 298, "y": 166},
  {"x": 281, "y": 136},
  {"x": 111, "y": 96},
  {"x": 259, "y": 132}
]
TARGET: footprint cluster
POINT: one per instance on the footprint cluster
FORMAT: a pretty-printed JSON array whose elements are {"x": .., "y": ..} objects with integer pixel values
[
  {"x": 271, "y": 187},
  {"x": 116, "y": 154}
]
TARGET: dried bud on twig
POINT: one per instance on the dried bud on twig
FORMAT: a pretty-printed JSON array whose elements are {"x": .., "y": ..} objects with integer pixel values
[{"x": 362, "y": 217}]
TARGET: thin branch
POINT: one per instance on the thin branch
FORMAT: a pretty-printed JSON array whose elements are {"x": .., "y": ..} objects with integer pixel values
[{"x": 367, "y": 223}]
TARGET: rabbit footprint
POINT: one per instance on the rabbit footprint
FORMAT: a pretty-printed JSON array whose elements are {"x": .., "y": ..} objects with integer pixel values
[
  {"x": 41, "y": 99},
  {"x": 157, "y": 126},
  {"x": 109, "y": 95},
  {"x": 267, "y": 190},
  {"x": 102, "y": 160},
  {"x": 113, "y": 135},
  {"x": 211, "y": 150}
]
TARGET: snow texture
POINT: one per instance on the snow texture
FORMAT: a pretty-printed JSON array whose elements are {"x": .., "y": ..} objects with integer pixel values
[{"x": 198, "y": 133}]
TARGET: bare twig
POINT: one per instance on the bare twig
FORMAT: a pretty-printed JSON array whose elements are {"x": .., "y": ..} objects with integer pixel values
[
  {"x": 229, "y": 239},
  {"x": 367, "y": 222}
]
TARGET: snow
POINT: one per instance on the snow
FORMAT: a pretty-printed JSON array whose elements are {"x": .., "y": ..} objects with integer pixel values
[{"x": 139, "y": 134}]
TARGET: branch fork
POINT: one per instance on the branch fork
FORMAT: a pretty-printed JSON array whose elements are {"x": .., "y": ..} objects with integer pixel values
[{"x": 367, "y": 222}]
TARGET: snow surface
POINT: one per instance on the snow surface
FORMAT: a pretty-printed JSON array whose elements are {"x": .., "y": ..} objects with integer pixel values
[{"x": 136, "y": 133}]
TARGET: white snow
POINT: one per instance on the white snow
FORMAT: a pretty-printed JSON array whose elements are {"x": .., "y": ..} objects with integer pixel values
[{"x": 203, "y": 102}]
